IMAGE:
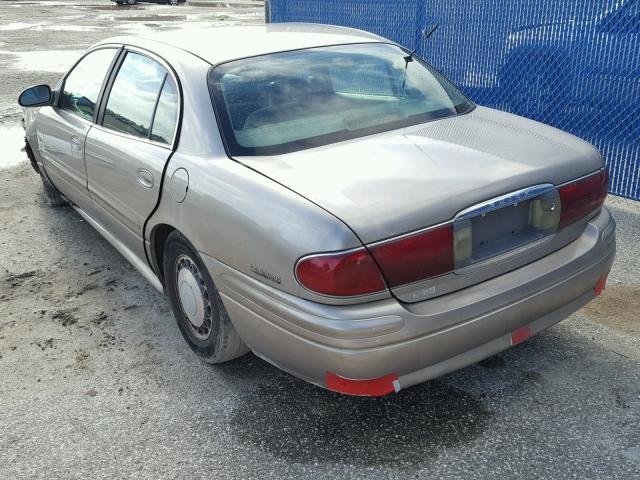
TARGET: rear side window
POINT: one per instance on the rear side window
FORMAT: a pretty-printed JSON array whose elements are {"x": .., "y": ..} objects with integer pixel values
[
  {"x": 134, "y": 96},
  {"x": 82, "y": 86},
  {"x": 166, "y": 117}
]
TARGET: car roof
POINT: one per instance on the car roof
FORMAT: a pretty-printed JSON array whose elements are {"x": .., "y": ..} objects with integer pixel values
[{"x": 220, "y": 44}]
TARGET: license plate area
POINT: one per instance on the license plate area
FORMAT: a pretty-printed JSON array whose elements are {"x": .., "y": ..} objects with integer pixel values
[{"x": 505, "y": 224}]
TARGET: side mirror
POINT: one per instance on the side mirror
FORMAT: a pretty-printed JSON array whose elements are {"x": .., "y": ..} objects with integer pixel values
[{"x": 38, "y": 96}]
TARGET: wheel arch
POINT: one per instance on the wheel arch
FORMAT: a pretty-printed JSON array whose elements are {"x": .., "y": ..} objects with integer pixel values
[
  {"x": 31, "y": 156},
  {"x": 158, "y": 240}
]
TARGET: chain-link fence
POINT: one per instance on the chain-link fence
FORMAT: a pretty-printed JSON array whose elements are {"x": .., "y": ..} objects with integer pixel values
[{"x": 571, "y": 64}]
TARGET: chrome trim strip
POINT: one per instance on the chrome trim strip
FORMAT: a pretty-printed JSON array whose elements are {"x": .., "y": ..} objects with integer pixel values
[
  {"x": 327, "y": 254},
  {"x": 599, "y": 171},
  {"x": 505, "y": 200},
  {"x": 410, "y": 234},
  {"x": 464, "y": 214}
]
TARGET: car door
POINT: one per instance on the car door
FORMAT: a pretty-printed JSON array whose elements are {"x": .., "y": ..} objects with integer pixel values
[
  {"x": 62, "y": 129},
  {"x": 128, "y": 148}
]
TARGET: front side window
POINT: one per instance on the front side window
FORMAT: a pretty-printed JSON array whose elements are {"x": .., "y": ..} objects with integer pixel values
[
  {"x": 134, "y": 95},
  {"x": 82, "y": 86},
  {"x": 284, "y": 102}
]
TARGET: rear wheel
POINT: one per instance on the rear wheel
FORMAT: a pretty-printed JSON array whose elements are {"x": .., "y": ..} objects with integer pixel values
[{"x": 197, "y": 306}]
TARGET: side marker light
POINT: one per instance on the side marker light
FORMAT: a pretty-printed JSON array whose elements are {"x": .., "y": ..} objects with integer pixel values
[{"x": 375, "y": 387}]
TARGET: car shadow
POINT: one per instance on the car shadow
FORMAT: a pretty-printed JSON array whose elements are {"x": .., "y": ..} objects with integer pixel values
[{"x": 302, "y": 423}]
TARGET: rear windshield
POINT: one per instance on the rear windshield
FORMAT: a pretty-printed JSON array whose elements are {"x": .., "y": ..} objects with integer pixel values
[{"x": 284, "y": 102}]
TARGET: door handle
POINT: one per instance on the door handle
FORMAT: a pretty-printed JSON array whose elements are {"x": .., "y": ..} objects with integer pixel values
[{"x": 145, "y": 178}]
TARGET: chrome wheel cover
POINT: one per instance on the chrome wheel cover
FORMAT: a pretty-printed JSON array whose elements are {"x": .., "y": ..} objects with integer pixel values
[{"x": 193, "y": 296}]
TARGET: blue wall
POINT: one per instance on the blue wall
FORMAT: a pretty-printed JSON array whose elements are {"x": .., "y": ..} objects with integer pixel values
[{"x": 571, "y": 64}]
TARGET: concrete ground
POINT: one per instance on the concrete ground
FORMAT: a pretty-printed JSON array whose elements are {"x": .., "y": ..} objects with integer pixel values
[{"x": 96, "y": 381}]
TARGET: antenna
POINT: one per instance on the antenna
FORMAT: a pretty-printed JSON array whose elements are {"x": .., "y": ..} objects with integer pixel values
[
  {"x": 431, "y": 32},
  {"x": 409, "y": 58}
]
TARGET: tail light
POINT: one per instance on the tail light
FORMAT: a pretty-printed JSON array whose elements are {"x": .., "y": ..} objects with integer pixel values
[
  {"x": 441, "y": 249},
  {"x": 340, "y": 274},
  {"x": 416, "y": 257},
  {"x": 582, "y": 197}
]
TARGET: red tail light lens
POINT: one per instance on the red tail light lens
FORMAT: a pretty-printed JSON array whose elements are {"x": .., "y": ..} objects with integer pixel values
[
  {"x": 580, "y": 198},
  {"x": 426, "y": 254},
  {"x": 340, "y": 274},
  {"x": 416, "y": 257}
]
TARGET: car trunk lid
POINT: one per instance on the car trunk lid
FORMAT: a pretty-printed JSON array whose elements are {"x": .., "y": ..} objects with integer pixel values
[{"x": 400, "y": 182}]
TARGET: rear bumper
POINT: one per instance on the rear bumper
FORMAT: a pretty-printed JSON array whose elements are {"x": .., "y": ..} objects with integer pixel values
[{"x": 416, "y": 341}]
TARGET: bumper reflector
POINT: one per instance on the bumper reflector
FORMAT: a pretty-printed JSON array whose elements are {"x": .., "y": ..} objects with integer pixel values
[
  {"x": 601, "y": 285},
  {"x": 376, "y": 387},
  {"x": 520, "y": 335}
]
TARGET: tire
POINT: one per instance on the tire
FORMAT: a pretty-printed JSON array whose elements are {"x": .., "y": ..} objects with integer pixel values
[
  {"x": 51, "y": 195},
  {"x": 206, "y": 327},
  {"x": 130, "y": 2},
  {"x": 174, "y": 2}
]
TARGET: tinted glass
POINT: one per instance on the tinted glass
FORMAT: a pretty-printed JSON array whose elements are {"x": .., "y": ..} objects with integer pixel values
[
  {"x": 83, "y": 84},
  {"x": 133, "y": 96},
  {"x": 293, "y": 100},
  {"x": 164, "y": 122}
]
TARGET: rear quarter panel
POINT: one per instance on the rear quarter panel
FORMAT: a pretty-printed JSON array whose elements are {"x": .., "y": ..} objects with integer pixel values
[
  {"x": 231, "y": 213},
  {"x": 244, "y": 220}
]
